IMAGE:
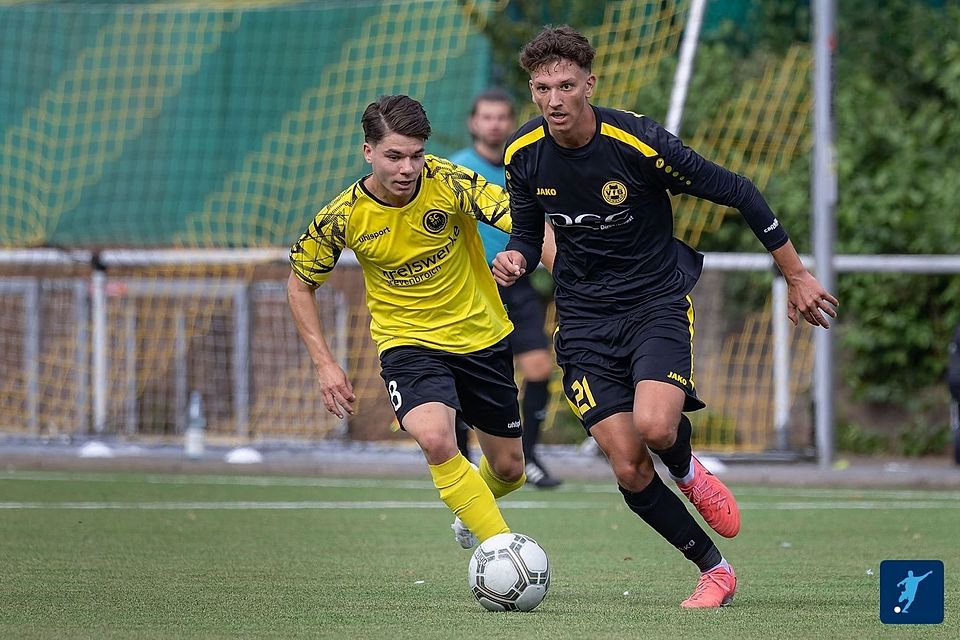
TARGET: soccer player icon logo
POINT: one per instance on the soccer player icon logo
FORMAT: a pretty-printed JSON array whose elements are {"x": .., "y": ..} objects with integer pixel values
[
  {"x": 903, "y": 599},
  {"x": 909, "y": 584}
]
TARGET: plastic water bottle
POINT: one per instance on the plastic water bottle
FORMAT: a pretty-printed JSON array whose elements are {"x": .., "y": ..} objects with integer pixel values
[{"x": 195, "y": 425}]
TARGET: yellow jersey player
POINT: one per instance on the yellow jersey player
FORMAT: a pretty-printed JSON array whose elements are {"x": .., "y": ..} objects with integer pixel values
[{"x": 437, "y": 319}]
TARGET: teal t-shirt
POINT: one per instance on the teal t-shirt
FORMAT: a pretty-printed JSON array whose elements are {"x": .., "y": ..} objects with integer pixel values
[{"x": 494, "y": 240}]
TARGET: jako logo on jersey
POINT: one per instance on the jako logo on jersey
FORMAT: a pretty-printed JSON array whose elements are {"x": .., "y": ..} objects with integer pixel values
[
  {"x": 774, "y": 225},
  {"x": 589, "y": 219},
  {"x": 546, "y": 191},
  {"x": 676, "y": 376},
  {"x": 614, "y": 192},
  {"x": 374, "y": 235},
  {"x": 434, "y": 220}
]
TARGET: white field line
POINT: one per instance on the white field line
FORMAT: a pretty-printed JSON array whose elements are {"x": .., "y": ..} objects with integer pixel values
[
  {"x": 240, "y": 481},
  {"x": 248, "y": 505},
  {"x": 387, "y": 483},
  {"x": 815, "y": 492},
  {"x": 398, "y": 504}
]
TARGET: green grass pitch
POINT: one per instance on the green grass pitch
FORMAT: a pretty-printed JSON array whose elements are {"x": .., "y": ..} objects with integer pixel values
[{"x": 89, "y": 555}]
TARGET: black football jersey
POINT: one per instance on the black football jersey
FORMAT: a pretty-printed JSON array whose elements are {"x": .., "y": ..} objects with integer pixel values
[{"x": 609, "y": 204}]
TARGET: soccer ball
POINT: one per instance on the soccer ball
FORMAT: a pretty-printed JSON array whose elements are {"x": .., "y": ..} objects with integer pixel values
[{"x": 509, "y": 572}]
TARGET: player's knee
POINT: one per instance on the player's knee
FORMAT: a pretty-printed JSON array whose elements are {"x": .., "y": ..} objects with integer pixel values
[
  {"x": 632, "y": 475},
  {"x": 508, "y": 470},
  {"x": 658, "y": 431},
  {"x": 513, "y": 474},
  {"x": 437, "y": 447},
  {"x": 507, "y": 465}
]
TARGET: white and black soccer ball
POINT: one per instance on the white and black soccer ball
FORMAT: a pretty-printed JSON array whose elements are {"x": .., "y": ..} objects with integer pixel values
[{"x": 509, "y": 572}]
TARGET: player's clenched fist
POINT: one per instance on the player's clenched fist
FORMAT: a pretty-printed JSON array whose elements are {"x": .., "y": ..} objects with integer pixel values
[{"x": 508, "y": 266}]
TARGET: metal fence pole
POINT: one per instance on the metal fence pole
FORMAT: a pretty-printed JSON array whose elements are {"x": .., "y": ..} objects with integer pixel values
[
  {"x": 130, "y": 341},
  {"x": 81, "y": 358},
  {"x": 824, "y": 196},
  {"x": 100, "y": 346},
  {"x": 31, "y": 354},
  {"x": 241, "y": 359},
  {"x": 180, "y": 371},
  {"x": 781, "y": 363}
]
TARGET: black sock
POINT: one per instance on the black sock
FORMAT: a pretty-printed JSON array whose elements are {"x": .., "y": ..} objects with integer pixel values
[
  {"x": 533, "y": 410},
  {"x": 662, "y": 509},
  {"x": 677, "y": 456}
]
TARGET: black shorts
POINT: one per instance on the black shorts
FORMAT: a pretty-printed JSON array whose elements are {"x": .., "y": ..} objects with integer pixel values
[
  {"x": 603, "y": 361},
  {"x": 526, "y": 313},
  {"x": 479, "y": 385}
]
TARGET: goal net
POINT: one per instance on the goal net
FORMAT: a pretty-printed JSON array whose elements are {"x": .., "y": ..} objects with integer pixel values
[{"x": 157, "y": 159}]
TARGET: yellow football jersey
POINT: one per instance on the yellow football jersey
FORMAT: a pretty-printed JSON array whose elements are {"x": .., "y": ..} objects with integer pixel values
[{"x": 427, "y": 281}]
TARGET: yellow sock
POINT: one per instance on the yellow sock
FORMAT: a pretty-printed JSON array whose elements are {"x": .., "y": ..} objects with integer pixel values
[
  {"x": 468, "y": 496},
  {"x": 499, "y": 487}
]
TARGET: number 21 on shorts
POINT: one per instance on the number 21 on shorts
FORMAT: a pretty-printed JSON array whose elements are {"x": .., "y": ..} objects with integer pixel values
[{"x": 582, "y": 396}]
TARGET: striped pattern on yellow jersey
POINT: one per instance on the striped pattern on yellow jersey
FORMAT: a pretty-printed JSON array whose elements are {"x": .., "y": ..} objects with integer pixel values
[{"x": 427, "y": 282}]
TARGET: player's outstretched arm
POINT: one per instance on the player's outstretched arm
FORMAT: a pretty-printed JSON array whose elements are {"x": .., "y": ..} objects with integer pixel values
[
  {"x": 805, "y": 295},
  {"x": 508, "y": 266},
  {"x": 335, "y": 388}
]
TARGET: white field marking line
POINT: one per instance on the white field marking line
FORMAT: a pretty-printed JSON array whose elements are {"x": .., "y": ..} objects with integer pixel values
[
  {"x": 396, "y": 504},
  {"x": 877, "y": 493},
  {"x": 812, "y": 492},
  {"x": 871, "y": 505},
  {"x": 386, "y": 483},
  {"x": 244, "y": 481},
  {"x": 250, "y": 505}
]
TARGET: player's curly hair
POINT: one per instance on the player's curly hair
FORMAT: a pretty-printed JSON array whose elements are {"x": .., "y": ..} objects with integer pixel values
[
  {"x": 394, "y": 114},
  {"x": 554, "y": 44}
]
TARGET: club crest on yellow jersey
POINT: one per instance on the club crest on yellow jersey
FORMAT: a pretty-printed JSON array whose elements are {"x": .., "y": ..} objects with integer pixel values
[{"x": 435, "y": 221}]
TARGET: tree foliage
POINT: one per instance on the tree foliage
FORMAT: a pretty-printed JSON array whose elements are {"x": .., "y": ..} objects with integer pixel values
[
  {"x": 896, "y": 93},
  {"x": 517, "y": 23}
]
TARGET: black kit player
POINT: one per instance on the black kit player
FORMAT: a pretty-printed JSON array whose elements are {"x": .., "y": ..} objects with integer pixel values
[
  {"x": 625, "y": 338},
  {"x": 436, "y": 317}
]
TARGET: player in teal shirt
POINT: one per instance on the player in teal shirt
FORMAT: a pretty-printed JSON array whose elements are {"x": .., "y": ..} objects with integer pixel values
[
  {"x": 494, "y": 240},
  {"x": 491, "y": 123}
]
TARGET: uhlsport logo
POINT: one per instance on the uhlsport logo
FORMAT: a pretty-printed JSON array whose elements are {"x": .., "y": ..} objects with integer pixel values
[
  {"x": 434, "y": 221},
  {"x": 911, "y": 591},
  {"x": 373, "y": 235}
]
